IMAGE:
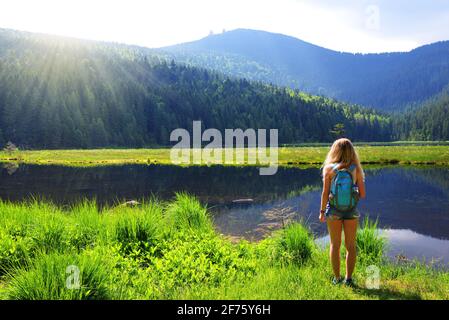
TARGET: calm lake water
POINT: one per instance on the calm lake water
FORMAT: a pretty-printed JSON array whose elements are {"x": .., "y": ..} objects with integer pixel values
[{"x": 411, "y": 203}]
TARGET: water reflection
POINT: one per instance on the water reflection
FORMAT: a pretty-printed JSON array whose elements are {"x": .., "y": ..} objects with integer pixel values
[
  {"x": 415, "y": 199},
  {"x": 410, "y": 244},
  {"x": 400, "y": 198},
  {"x": 406, "y": 245},
  {"x": 10, "y": 167},
  {"x": 213, "y": 185}
]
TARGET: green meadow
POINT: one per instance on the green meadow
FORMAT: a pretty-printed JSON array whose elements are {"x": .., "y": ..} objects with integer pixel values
[
  {"x": 287, "y": 156},
  {"x": 170, "y": 250}
]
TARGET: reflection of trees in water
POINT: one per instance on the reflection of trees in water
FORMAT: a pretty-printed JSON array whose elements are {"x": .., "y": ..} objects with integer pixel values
[
  {"x": 11, "y": 167},
  {"x": 437, "y": 177},
  {"x": 404, "y": 197},
  {"x": 215, "y": 184},
  {"x": 431, "y": 174},
  {"x": 414, "y": 198},
  {"x": 401, "y": 197},
  {"x": 303, "y": 190},
  {"x": 211, "y": 184}
]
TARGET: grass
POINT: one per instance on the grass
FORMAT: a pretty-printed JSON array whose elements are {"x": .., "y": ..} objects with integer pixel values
[
  {"x": 171, "y": 251},
  {"x": 85, "y": 274},
  {"x": 288, "y": 156},
  {"x": 294, "y": 244},
  {"x": 370, "y": 243}
]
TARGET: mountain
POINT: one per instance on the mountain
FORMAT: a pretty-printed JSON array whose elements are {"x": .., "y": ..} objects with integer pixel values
[
  {"x": 58, "y": 92},
  {"x": 387, "y": 81},
  {"x": 429, "y": 121}
]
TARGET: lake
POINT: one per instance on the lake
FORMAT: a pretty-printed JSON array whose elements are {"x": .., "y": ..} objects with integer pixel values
[{"x": 411, "y": 203}]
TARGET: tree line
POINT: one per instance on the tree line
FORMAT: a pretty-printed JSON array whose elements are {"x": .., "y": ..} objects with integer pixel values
[
  {"x": 64, "y": 93},
  {"x": 429, "y": 121}
]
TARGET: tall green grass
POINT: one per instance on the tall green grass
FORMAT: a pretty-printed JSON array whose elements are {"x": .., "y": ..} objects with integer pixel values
[
  {"x": 294, "y": 244},
  {"x": 138, "y": 228},
  {"x": 61, "y": 277},
  {"x": 371, "y": 244},
  {"x": 187, "y": 213},
  {"x": 171, "y": 251},
  {"x": 14, "y": 252},
  {"x": 86, "y": 226}
]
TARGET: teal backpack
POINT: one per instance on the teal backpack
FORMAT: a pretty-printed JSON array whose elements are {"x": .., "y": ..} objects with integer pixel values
[{"x": 344, "y": 196}]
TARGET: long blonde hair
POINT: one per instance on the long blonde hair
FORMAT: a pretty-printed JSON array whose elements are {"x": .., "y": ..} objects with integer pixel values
[{"x": 343, "y": 151}]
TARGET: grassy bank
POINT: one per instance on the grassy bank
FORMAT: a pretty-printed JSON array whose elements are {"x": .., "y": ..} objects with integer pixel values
[
  {"x": 171, "y": 251},
  {"x": 288, "y": 156}
]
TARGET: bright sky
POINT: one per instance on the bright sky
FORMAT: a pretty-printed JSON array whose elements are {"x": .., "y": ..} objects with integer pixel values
[{"x": 343, "y": 25}]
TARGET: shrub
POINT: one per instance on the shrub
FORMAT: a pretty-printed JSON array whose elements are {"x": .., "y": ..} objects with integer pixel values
[
  {"x": 194, "y": 259},
  {"x": 10, "y": 147}
]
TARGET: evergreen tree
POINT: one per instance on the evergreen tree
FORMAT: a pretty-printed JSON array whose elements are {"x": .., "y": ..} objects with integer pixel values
[{"x": 64, "y": 93}]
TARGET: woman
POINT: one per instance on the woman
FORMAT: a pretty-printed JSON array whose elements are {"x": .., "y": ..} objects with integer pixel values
[{"x": 342, "y": 156}]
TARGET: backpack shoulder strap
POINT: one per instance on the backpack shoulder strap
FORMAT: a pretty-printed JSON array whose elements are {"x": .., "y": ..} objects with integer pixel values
[{"x": 334, "y": 167}]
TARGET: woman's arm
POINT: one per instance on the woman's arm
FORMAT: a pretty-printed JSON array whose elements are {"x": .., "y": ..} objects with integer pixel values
[
  {"x": 361, "y": 183},
  {"x": 327, "y": 178}
]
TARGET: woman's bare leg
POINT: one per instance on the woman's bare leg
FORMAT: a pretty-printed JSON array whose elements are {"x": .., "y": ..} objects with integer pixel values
[
  {"x": 350, "y": 229},
  {"x": 335, "y": 227}
]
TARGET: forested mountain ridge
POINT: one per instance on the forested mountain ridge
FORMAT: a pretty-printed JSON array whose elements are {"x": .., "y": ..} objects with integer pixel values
[
  {"x": 388, "y": 81},
  {"x": 429, "y": 121},
  {"x": 57, "y": 92}
]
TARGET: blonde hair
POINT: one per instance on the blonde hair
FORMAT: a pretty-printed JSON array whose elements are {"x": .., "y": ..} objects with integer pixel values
[{"x": 343, "y": 151}]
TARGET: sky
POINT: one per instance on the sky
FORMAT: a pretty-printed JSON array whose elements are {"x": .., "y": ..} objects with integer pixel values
[{"x": 343, "y": 25}]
